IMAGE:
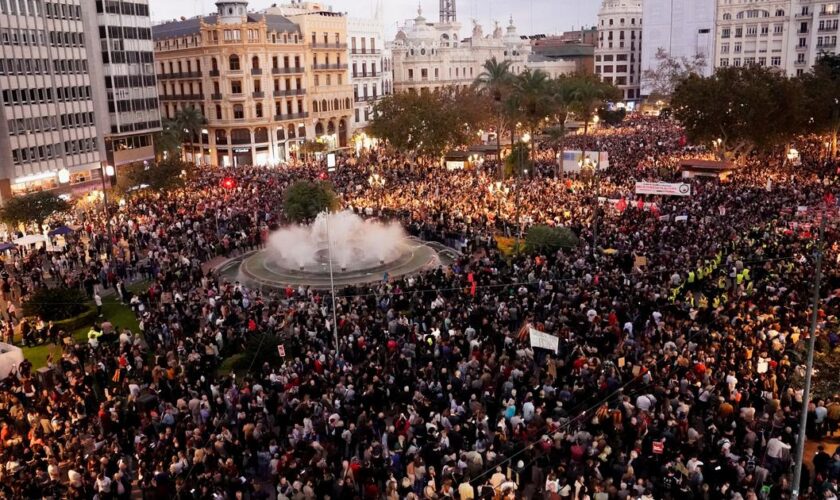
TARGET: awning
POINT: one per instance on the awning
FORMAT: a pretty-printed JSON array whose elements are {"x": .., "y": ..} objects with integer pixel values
[{"x": 60, "y": 231}]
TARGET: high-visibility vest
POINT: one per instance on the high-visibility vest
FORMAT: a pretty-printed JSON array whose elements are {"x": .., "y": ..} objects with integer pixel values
[
  {"x": 746, "y": 274},
  {"x": 691, "y": 276},
  {"x": 739, "y": 278},
  {"x": 700, "y": 273},
  {"x": 716, "y": 302},
  {"x": 722, "y": 282}
]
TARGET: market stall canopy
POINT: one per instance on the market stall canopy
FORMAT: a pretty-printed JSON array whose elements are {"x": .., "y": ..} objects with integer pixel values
[{"x": 61, "y": 231}]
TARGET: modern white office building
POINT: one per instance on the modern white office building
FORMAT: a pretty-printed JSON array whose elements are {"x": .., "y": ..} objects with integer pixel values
[
  {"x": 682, "y": 28},
  {"x": 49, "y": 97},
  {"x": 370, "y": 66}
]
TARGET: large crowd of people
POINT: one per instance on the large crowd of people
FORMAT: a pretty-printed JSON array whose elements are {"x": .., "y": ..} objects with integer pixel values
[{"x": 681, "y": 324}]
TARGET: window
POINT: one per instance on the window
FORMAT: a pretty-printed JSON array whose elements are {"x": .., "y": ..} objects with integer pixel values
[
  {"x": 234, "y": 63},
  {"x": 255, "y": 62},
  {"x": 776, "y": 61},
  {"x": 236, "y": 87},
  {"x": 727, "y": 16},
  {"x": 737, "y": 48},
  {"x": 778, "y": 29},
  {"x": 259, "y": 110},
  {"x": 238, "y": 112},
  {"x": 725, "y": 33}
]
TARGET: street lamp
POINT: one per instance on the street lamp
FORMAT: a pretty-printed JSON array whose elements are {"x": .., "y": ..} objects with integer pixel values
[
  {"x": 499, "y": 191},
  {"x": 63, "y": 176},
  {"x": 107, "y": 171}
]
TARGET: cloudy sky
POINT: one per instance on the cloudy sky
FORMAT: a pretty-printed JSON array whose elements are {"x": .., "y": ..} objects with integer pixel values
[{"x": 530, "y": 16}]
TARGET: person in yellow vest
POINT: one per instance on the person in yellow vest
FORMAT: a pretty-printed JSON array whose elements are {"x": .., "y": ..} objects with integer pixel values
[
  {"x": 691, "y": 277},
  {"x": 716, "y": 302},
  {"x": 93, "y": 336},
  {"x": 746, "y": 274},
  {"x": 700, "y": 273},
  {"x": 722, "y": 282}
]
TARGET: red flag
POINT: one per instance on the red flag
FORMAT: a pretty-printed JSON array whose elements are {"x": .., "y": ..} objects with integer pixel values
[
  {"x": 830, "y": 199},
  {"x": 470, "y": 278},
  {"x": 621, "y": 205},
  {"x": 640, "y": 204},
  {"x": 654, "y": 210},
  {"x": 472, "y": 289}
]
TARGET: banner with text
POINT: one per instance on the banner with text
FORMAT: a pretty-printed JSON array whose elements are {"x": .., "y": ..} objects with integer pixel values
[
  {"x": 544, "y": 340},
  {"x": 664, "y": 188}
]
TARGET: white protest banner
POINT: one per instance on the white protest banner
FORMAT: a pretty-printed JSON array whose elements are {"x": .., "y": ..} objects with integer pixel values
[
  {"x": 331, "y": 162},
  {"x": 664, "y": 188},
  {"x": 681, "y": 218},
  {"x": 544, "y": 340}
]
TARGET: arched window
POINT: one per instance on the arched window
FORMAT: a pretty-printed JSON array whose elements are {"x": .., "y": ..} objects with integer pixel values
[
  {"x": 347, "y": 104},
  {"x": 221, "y": 137},
  {"x": 240, "y": 136},
  {"x": 238, "y": 112},
  {"x": 335, "y": 104},
  {"x": 780, "y": 13},
  {"x": 281, "y": 134},
  {"x": 261, "y": 135},
  {"x": 255, "y": 62},
  {"x": 323, "y": 105},
  {"x": 234, "y": 63},
  {"x": 727, "y": 16},
  {"x": 314, "y": 106},
  {"x": 291, "y": 131},
  {"x": 214, "y": 64}
]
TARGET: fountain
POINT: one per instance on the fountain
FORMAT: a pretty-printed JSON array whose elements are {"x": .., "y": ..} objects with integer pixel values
[{"x": 363, "y": 251}]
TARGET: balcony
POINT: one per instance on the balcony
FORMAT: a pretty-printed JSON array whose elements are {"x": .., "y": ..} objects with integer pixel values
[
  {"x": 329, "y": 46},
  {"x": 827, "y": 13},
  {"x": 256, "y": 71},
  {"x": 288, "y": 93},
  {"x": 827, "y": 28},
  {"x": 826, "y": 45},
  {"x": 287, "y": 71},
  {"x": 329, "y": 67},
  {"x": 366, "y": 75},
  {"x": 258, "y": 95},
  {"x": 291, "y": 116},
  {"x": 366, "y": 98},
  {"x": 236, "y": 96},
  {"x": 370, "y": 52},
  {"x": 216, "y": 97},
  {"x": 182, "y": 97},
  {"x": 179, "y": 75},
  {"x": 214, "y": 73}
]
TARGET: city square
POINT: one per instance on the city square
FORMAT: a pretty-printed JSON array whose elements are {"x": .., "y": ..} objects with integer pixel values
[{"x": 283, "y": 251}]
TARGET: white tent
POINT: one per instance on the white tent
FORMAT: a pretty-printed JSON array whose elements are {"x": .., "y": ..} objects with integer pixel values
[
  {"x": 31, "y": 239},
  {"x": 10, "y": 357}
]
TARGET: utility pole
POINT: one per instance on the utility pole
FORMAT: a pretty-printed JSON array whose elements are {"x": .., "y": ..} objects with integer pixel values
[{"x": 809, "y": 366}]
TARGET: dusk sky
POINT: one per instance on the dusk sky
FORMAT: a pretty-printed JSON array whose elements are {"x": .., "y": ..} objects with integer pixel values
[{"x": 530, "y": 16}]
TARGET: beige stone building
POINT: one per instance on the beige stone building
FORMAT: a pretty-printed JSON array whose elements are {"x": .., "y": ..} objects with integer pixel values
[{"x": 264, "y": 81}]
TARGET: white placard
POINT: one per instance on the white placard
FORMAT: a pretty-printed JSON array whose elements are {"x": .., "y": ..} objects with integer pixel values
[
  {"x": 331, "y": 162},
  {"x": 544, "y": 340},
  {"x": 664, "y": 188}
]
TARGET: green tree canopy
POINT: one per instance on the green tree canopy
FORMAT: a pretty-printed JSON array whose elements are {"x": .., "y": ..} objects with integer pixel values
[
  {"x": 429, "y": 123},
  {"x": 304, "y": 200},
  {"x": 163, "y": 176},
  {"x": 822, "y": 98},
  {"x": 547, "y": 239},
  {"x": 35, "y": 207},
  {"x": 748, "y": 108}
]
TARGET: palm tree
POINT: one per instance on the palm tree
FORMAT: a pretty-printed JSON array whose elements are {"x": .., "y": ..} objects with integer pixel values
[
  {"x": 532, "y": 89},
  {"x": 587, "y": 95},
  {"x": 562, "y": 101},
  {"x": 190, "y": 121},
  {"x": 495, "y": 80},
  {"x": 168, "y": 141}
]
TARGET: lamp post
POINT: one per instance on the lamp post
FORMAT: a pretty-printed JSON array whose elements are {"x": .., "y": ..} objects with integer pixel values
[{"x": 107, "y": 171}]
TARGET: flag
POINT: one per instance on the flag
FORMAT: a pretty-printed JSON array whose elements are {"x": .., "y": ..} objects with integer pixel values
[
  {"x": 830, "y": 199},
  {"x": 621, "y": 205},
  {"x": 640, "y": 204},
  {"x": 543, "y": 340}
]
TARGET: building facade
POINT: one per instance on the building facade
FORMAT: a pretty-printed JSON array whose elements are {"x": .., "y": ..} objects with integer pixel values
[
  {"x": 127, "y": 57},
  {"x": 618, "y": 54},
  {"x": 682, "y": 28},
  {"x": 370, "y": 67},
  {"x": 265, "y": 82},
  {"x": 48, "y": 97},
  {"x": 576, "y": 48},
  {"x": 786, "y": 34},
  {"x": 429, "y": 56}
]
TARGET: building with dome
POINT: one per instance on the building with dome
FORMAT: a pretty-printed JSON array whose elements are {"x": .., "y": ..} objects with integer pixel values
[{"x": 428, "y": 56}]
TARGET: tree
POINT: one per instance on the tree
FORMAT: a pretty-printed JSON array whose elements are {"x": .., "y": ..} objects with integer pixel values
[
  {"x": 428, "y": 123},
  {"x": 56, "y": 304},
  {"x": 304, "y": 200},
  {"x": 312, "y": 147},
  {"x": 611, "y": 117},
  {"x": 35, "y": 207},
  {"x": 589, "y": 93},
  {"x": 168, "y": 141},
  {"x": 190, "y": 121},
  {"x": 163, "y": 176},
  {"x": 547, "y": 239},
  {"x": 518, "y": 160},
  {"x": 561, "y": 90},
  {"x": 670, "y": 71},
  {"x": 747, "y": 108},
  {"x": 495, "y": 80},
  {"x": 822, "y": 97},
  {"x": 535, "y": 98}
]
